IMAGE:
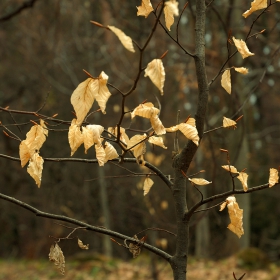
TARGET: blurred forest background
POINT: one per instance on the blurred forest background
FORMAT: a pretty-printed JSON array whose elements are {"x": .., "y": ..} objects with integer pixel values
[{"x": 43, "y": 51}]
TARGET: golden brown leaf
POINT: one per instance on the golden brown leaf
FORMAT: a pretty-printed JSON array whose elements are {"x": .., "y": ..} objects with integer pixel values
[
  {"x": 75, "y": 136},
  {"x": 230, "y": 168},
  {"x": 242, "y": 48},
  {"x": 125, "y": 40},
  {"x": 157, "y": 125},
  {"x": 100, "y": 154},
  {"x": 56, "y": 256},
  {"x": 199, "y": 181},
  {"x": 82, "y": 246},
  {"x": 91, "y": 135},
  {"x": 223, "y": 206},
  {"x": 140, "y": 148},
  {"x": 24, "y": 153},
  {"x": 35, "y": 168},
  {"x": 155, "y": 71},
  {"x": 148, "y": 183},
  {"x": 110, "y": 152},
  {"x": 273, "y": 177},
  {"x": 158, "y": 141},
  {"x": 146, "y": 110},
  {"x": 256, "y": 5},
  {"x": 114, "y": 130},
  {"x": 243, "y": 177},
  {"x": 241, "y": 70},
  {"x": 145, "y": 9},
  {"x": 229, "y": 123},
  {"x": 170, "y": 10},
  {"x": 189, "y": 131},
  {"x": 226, "y": 81}
]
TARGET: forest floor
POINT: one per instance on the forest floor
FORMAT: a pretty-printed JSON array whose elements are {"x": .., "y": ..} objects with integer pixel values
[{"x": 140, "y": 268}]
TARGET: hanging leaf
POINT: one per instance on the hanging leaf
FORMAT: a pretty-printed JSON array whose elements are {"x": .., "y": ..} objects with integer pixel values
[
  {"x": 199, "y": 181},
  {"x": 148, "y": 183},
  {"x": 110, "y": 152},
  {"x": 125, "y": 40},
  {"x": 243, "y": 177},
  {"x": 158, "y": 141},
  {"x": 273, "y": 177},
  {"x": 226, "y": 81},
  {"x": 223, "y": 206},
  {"x": 170, "y": 10},
  {"x": 189, "y": 131},
  {"x": 241, "y": 70},
  {"x": 235, "y": 215},
  {"x": 140, "y": 148},
  {"x": 135, "y": 249},
  {"x": 35, "y": 168},
  {"x": 190, "y": 121},
  {"x": 229, "y": 123},
  {"x": 75, "y": 136},
  {"x": 242, "y": 48},
  {"x": 82, "y": 246},
  {"x": 97, "y": 131},
  {"x": 24, "y": 153},
  {"x": 155, "y": 71},
  {"x": 114, "y": 130},
  {"x": 56, "y": 256},
  {"x": 145, "y": 9},
  {"x": 230, "y": 168},
  {"x": 256, "y": 5},
  {"x": 100, "y": 154}
]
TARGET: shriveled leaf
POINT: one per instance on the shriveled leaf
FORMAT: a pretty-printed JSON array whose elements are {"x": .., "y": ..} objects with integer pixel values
[
  {"x": 134, "y": 249},
  {"x": 35, "y": 168},
  {"x": 199, "y": 181},
  {"x": 24, "y": 153},
  {"x": 170, "y": 10},
  {"x": 172, "y": 128},
  {"x": 223, "y": 206},
  {"x": 123, "y": 136},
  {"x": 110, "y": 152},
  {"x": 145, "y": 9},
  {"x": 226, "y": 81},
  {"x": 155, "y": 71},
  {"x": 100, "y": 154},
  {"x": 230, "y": 168},
  {"x": 242, "y": 47},
  {"x": 273, "y": 177},
  {"x": 56, "y": 256},
  {"x": 97, "y": 131},
  {"x": 157, "y": 125},
  {"x": 236, "y": 216},
  {"x": 146, "y": 110},
  {"x": 229, "y": 123},
  {"x": 189, "y": 131},
  {"x": 158, "y": 141},
  {"x": 125, "y": 40},
  {"x": 241, "y": 70},
  {"x": 82, "y": 246},
  {"x": 243, "y": 177},
  {"x": 75, "y": 136},
  {"x": 256, "y": 5},
  {"x": 140, "y": 148},
  {"x": 148, "y": 183}
]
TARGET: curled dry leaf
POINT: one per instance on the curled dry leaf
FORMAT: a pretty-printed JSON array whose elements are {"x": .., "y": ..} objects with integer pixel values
[
  {"x": 229, "y": 123},
  {"x": 157, "y": 125},
  {"x": 226, "y": 81},
  {"x": 135, "y": 249},
  {"x": 170, "y": 10},
  {"x": 189, "y": 131},
  {"x": 223, "y": 206},
  {"x": 235, "y": 215},
  {"x": 114, "y": 130},
  {"x": 84, "y": 95},
  {"x": 75, "y": 136},
  {"x": 82, "y": 246},
  {"x": 35, "y": 168},
  {"x": 242, "y": 48},
  {"x": 56, "y": 256},
  {"x": 125, "y": 40},
  {"x": 241, "y": 70},
  {"x": 148, "y": 183},
  {"x": 145, "y": 9},
  {"x": 110, "y": 152},
  {"x": 155, "y": 71},
  {"x": 273, "y": 177},
  {"x": 190, "y": 121},
  {"x": 24, "y": 153},
  {"x": 100, "y": 154},
  {"x": 230, "y": 168},
  {"x": 91, "y": 135},
  {"x": 255, "y": 5},
  {"x": 138, "y": 145},
  {"x": 158, "y": 141},
  {"x": 243, "y": 178},
  {"x": 199, "y": 181}
]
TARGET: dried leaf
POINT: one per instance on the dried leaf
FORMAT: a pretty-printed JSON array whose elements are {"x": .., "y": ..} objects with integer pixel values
[
  {"x": 35, "y": 168},
  {"x": 135, "y": 249},
  {"x": 100, "y": 154},
  {"x": 236, "y": 216},
  {"x": 243, "y": 177},
  {"x": 172, "y": 128},
  {"x": 170, "y": 10},
  {"x": 82, "y": 246},
  {"x": 226, "y": 81},
  {"x": 241, "y": 70},
  {"x": 256, "y": 5},
  {"x": 223, "y": 206},
  {"x": 155, "y": 71},
  {"x": 125, "y": 40},
  {"x": 140, "y": 148},
  {"x": 191, "y": 121},
  {"x": 242, "y": 48},
  {"x": 110, "y": 152},
  {"x": 148, "y": 183},
  {"x": 75, "y": 136},
  {"x": 229, "y": 123},
  {"x": 273, "y": 177},
  {"x": 114, "y": 130},
  {"x": 146, "y": 110},
  {"x": 158, "y": 141},
  {"x": 24, "y": 153},
  {"x": 56, "y": 256},
  {"x": 145, "y": 9},
  {"x": 189, "y": 131},
  {"x": 230, "y": 168},
  {"x": 91, "y": 135},
  {"x": 199, "y": 181}
]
